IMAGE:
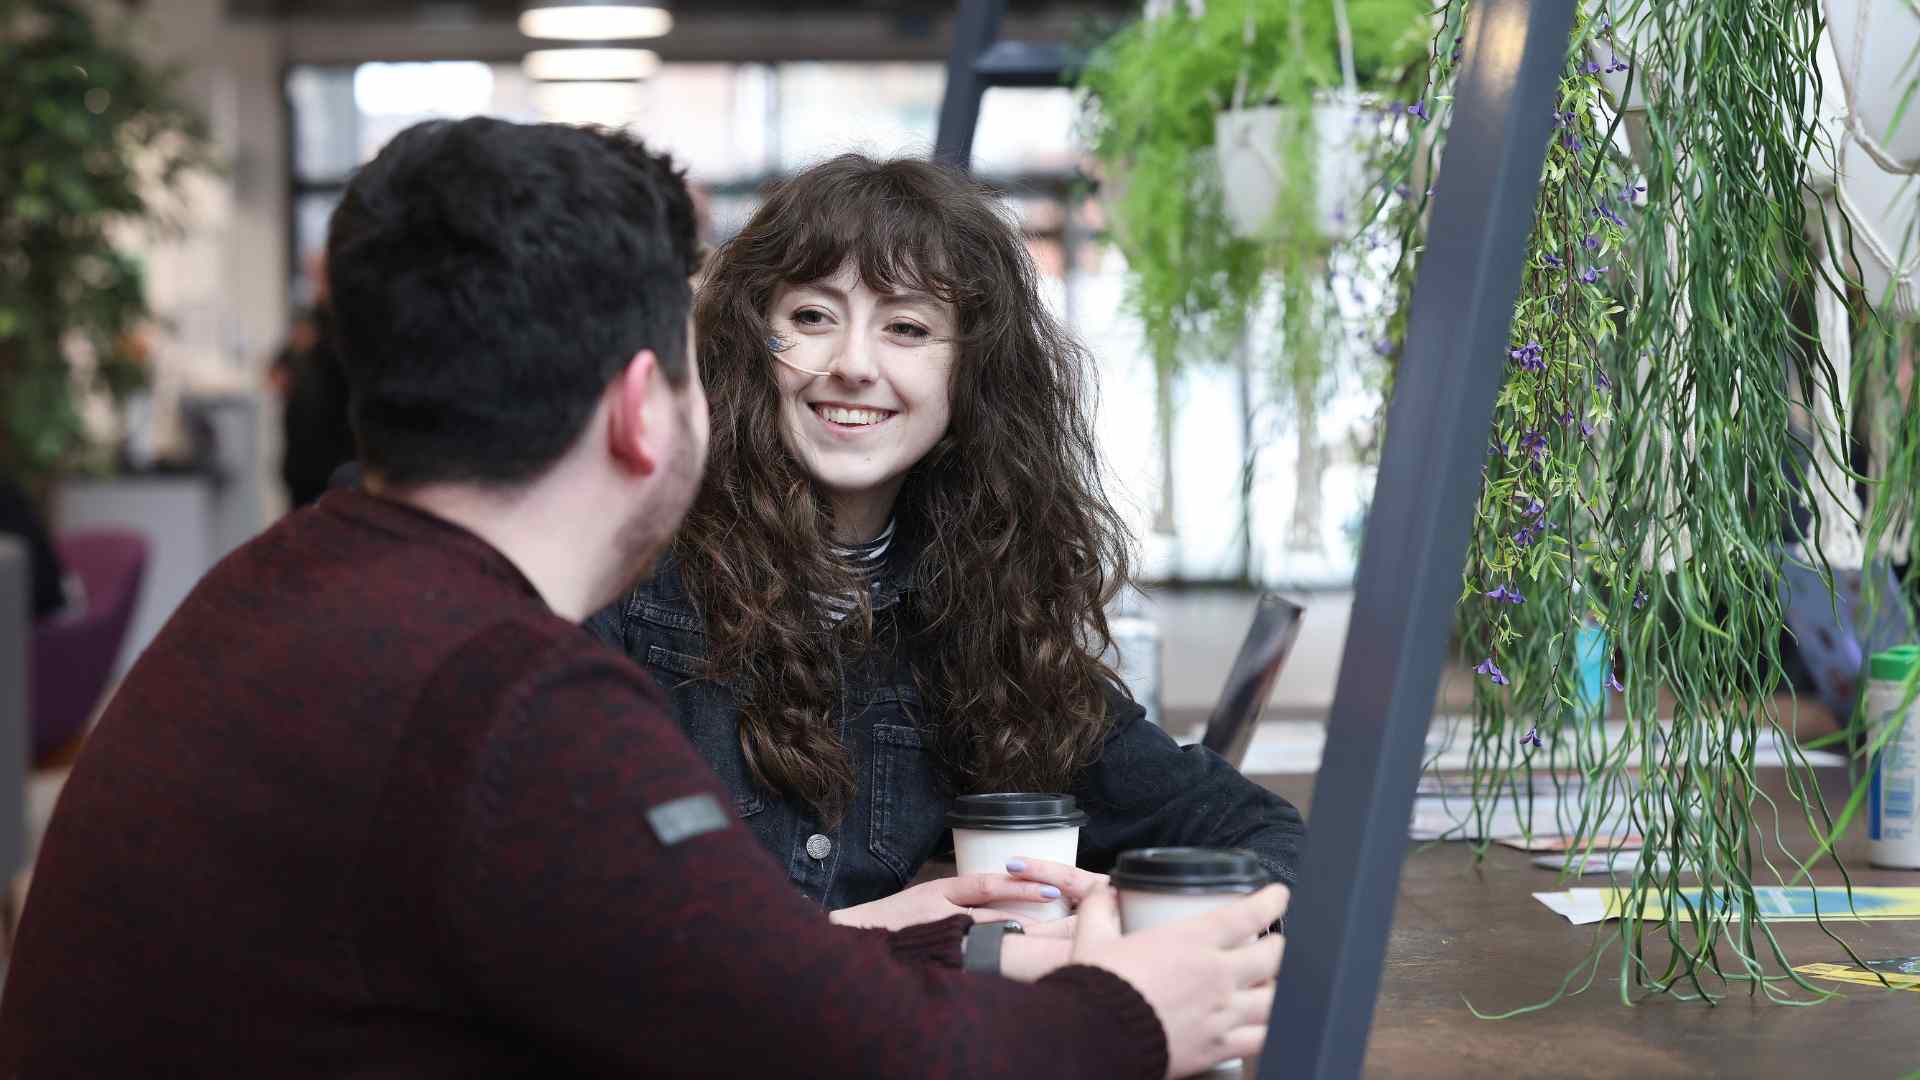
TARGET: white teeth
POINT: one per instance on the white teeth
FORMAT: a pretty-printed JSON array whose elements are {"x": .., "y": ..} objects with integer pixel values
[{"x": 857, "y": 417}]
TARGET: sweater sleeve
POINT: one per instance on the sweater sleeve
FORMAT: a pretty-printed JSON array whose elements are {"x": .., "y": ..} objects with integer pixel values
[
  {"x": 596, "y": 903},
  {"x": 1145, "y": 790}
]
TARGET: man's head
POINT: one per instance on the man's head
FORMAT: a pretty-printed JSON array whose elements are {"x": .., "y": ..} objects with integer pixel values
[{"x": 508, "y": 295}]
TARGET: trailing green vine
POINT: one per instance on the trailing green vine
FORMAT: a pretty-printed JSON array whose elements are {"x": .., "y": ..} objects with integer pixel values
[{"x": 1635, "y": 484}]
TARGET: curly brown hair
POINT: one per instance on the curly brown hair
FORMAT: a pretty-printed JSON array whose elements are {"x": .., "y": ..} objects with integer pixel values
[{"x": 1017, "y": 549}]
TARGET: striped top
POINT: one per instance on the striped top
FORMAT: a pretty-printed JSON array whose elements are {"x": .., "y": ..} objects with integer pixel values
[{"x": 866, "y": 559}]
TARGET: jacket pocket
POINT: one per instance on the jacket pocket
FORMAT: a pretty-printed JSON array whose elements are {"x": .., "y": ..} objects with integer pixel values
[
  {"x": 906, "y": 805},
  {"x": 677, "y": 663}
]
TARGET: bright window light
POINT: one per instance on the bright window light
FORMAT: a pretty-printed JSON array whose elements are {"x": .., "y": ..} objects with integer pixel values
[
  {"x": 451, "y": 88},
  {"x": 609, "y": 104},
  {"x": 572, "y": 65},
  {"x": 595, "y": 22}
]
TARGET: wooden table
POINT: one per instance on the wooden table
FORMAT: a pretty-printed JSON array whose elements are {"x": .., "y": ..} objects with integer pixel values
[{"x": 1461, "y": 930}]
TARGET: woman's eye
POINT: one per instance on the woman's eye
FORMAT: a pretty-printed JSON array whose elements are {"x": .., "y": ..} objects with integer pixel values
[
  {"x": 809, "y": 317},
  {"x": 911, "y": 330}
]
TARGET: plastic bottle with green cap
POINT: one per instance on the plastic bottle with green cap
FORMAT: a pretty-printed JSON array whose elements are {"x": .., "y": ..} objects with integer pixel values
[{"x": 1893, "y": 821}]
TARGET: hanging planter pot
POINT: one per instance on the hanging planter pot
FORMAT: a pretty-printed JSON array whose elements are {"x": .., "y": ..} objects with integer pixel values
[
  {"x": 1873, "y": 40},
  {"x": 1250, "y": 148},
  {"x": 1884, "y": 210}
]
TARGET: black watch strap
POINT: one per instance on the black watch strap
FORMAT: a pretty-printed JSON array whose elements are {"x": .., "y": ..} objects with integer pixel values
[{"x": 982, "y": 948}]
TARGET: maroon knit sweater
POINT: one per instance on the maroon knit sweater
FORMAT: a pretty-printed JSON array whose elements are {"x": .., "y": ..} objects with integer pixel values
[{"x": 368, "y": 808}]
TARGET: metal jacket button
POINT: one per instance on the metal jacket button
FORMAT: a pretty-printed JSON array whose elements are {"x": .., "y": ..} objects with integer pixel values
[{"x": 818, "y": 846}]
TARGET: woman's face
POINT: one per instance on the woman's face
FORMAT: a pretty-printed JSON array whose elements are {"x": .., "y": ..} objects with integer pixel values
[{"x": 883, "y": 399}]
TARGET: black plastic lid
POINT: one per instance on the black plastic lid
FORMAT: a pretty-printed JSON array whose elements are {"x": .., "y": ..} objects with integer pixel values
[
  {"x": 1015, "y": 810},
  {"x": 1189, "y": 869}
]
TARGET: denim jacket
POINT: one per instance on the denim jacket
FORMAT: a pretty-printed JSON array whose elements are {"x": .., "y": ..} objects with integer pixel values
[{"x": 1142, "y": 790}]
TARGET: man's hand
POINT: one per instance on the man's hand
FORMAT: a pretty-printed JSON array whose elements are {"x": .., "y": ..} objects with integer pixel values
[
  {"x": 1208, "y": 978},
  {"x": 931, "y": 901}
]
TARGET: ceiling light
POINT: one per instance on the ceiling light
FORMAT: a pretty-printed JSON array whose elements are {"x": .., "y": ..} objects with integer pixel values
[
  {"x": 571, "y": 20},
  {"x": 590, "y": 65}
]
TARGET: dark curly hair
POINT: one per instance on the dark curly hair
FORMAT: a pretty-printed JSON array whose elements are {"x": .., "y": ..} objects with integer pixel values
[
  {"x": 1017, "y": 549},
  {"x": 488, "y": 281}
]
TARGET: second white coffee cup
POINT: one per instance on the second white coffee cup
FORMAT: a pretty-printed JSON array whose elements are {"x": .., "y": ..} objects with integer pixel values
[
  {"x": 988, "y": 830},
  {"x": 1157, "y": 886}
]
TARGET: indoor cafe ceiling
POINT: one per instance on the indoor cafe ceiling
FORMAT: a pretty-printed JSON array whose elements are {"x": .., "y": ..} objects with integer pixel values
[{"x": 490, "y": 10}]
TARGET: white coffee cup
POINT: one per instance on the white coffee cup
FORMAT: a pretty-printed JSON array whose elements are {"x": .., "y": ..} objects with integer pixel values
[
  {"x": 988, "y": 830},
  {"x": 1157, "y": 886}
]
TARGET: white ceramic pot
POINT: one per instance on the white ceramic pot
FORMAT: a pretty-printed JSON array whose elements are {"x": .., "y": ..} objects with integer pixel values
[
  {"x": 1247, "y": 149},
  {"x": 1875, "y": 41},
  {"x": 1884, "y": 208}
]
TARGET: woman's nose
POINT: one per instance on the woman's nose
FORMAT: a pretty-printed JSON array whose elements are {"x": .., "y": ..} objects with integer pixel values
[{"x": 854, "y": 363}]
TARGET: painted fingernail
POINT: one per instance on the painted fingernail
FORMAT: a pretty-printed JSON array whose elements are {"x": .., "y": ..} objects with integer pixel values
[
  {"x": 1049, "y": 892},
  {"x": 1016, "y": 866}
]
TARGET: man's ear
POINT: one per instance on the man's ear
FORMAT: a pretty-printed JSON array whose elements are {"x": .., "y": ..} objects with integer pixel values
[{"x": 630, "y": 437}]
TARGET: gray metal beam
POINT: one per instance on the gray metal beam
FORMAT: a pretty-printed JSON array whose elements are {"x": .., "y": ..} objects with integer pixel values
[
  {"x": 16, "y": 723},
  {"x": 1416, "y": 537},
  {"x": 975, "y": 29}
]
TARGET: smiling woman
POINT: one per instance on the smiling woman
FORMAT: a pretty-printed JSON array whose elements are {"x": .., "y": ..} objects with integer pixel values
[{"x": 892, "y": 587}]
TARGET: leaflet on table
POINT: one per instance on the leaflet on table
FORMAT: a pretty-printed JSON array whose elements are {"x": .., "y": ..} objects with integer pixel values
[{"x": 1776, "y": 903}]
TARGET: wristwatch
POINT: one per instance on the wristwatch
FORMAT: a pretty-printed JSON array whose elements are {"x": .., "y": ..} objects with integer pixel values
[{"x": 980, "y": 945}]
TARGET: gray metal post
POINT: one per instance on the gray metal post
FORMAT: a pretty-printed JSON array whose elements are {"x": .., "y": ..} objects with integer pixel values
[
  {"x": 974, "y": 29},
  {"x": 1416, "y": 537},
  {"x": 16, "y": 644}
]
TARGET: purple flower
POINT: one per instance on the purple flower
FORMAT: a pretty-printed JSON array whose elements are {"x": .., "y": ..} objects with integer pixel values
[
  {"x": 1530, "y": 357},
  {"x": 1586, "y": 430},
  {"x": 1614, "y": 63},
  {"x": 1403, "y": 191},
  {"x": 1605, "y": 211},
  {"x": 1572, "y": 142},
  {"x": 1630, "y": 194},
  {"x": 1592, "y": 242},
  {"x": 1535, "y": 445},
  {"x": 1457, "y": 50},
  {"x": 1552, "y": 260},
  {"x": 1491, "y": 671},
  {"x": 1614, "y": 684},
  {"x": 1606, "y": 25},
  {"x": 1419, "y": 109},
  {"x": 1592, "y": 274},
  {"x": 1591, "y": 67},
  {"x": 1532, "y": 509},
  {"x": 1506, "y": 594},
  {"x": 1499, "y": 447},
  {"x": 1566, "y": 418},
  {"x": 1639, "y": 599},
  {"x": 1531, "y": 738},
  {"x": 1383, "y": 346},
  {"x": 1526, "y": 536},
  {"x": 1605, "y": 383}
]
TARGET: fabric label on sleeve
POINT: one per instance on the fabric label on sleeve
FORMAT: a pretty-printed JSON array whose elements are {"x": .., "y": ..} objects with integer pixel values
[{"x": 684, "y": 819}]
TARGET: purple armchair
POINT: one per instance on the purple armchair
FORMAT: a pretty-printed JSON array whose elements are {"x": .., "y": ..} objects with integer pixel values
[{"x": 73, "y": 653}]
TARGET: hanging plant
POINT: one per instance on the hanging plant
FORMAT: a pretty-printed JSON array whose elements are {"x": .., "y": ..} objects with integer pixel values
[
  {"x": 1634, "y": 484},
  {"x": 1155, "y": 92}
]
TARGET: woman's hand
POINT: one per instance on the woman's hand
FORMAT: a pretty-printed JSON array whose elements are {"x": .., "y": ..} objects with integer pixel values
[
  {"x": 931, "y": 901},
  {"x": 1074, "y": 884}
]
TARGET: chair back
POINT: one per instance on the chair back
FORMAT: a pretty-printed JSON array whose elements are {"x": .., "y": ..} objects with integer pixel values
[
  {"x": 1276, "y": 625},
  {"x": 73, "y": 653}
]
